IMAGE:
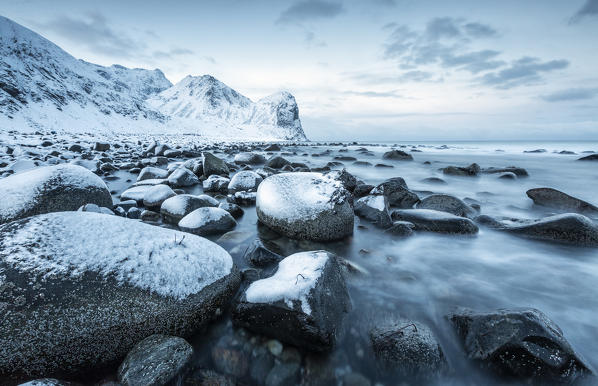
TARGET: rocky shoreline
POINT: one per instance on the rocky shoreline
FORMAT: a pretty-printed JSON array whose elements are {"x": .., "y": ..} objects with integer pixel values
[{"x": 117, "y": 257}]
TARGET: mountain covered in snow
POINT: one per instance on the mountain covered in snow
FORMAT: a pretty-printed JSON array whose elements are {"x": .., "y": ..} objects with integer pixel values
[{"x": 43, "y": 87}]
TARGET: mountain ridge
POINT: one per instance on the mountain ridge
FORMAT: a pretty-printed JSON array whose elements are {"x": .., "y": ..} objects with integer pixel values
[{"x": 44, "y": 87}]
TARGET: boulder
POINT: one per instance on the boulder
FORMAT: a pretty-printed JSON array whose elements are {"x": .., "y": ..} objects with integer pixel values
[
  {"x": 447, "y": 203},
  {"x": 398, "y": 155},
  {"x": 216, "y": 184},
  {"x": 182, "y": 177},
  {"x": 435, "y": 221},
  {"x": 84, "y": 288},
  {"x": 408, "y": 349},
  {"x": 244, "y": 181},
  {"x": 213, "y": 165},
  {"x": 175, "y": 208},
  {"x": 556, "y": 199},
  {"x": 258, "y": 255},
  {"x": 472, "y": 170},
  {"x": 156, "y": 195},
  {"x": 277, "y": 162},
  {"x": 248, "y": 158},
  {"x": 207, "y": 221},
  {"x": 570, "y": 228},
  {"x": 522, "y": 343},
  {"x": 305, "y": 205},
  {"x": 374, "y": 209},
  {"x": 101, "y": 146},
  {"x": 519, "y": 172},
  {"x": 156, "y": 360},
  {"x": 591, "y": 157},
  {"x": 136, "y": 193},
  {"x": 397, "y": 193},
  {"x": 152, "y": 173},
  {"x": 48, "y": 189},
  {"x": 302, "y": 304},
  {"x": 235, "y": 210}
]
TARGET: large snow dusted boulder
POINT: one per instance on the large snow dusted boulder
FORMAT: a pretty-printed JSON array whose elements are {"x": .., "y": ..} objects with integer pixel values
[
  {"x": 308, "y": 206},
  {"x": 302, "y": 304},
  {"x": 245, "y": 180},
  {"x": 81, "y": 289},
  {"x": 50, "y": 189}
]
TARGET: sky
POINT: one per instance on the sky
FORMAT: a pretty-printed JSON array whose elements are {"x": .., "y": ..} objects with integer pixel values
[{"x": 361, "y": 70}]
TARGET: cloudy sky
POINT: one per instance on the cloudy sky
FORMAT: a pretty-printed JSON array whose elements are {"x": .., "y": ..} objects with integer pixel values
[{"x": 361, "y": 70}]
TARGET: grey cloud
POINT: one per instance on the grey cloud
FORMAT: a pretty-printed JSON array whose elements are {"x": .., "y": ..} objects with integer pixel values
[
  {"x": 479, "y": 30},
  {"x": 524, "y": 71},
  {"x": 416, "y": 76},
  {"x": 171, "y": 53},
  {"x": 375, "y": 94},
  {"x": 590, "y": 8},
  {"x": 310, "y": 10},
  {"x": 572, "y": 94},
  {"x": 96, "y": 34},
  {"x": 442, "y": 27}
]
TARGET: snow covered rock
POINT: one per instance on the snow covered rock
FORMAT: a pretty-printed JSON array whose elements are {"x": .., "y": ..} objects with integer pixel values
[
  {"x": 435, "y": 221},
  {"x": 374, "y": 209},
  {"x": 136, "y": 193},
  {"x": 522, "y": 343},
  {"x": 175, "y": 208},
  {"x": 126, "y": 280},
  {"x": 152, "y": 173},
  {"x": 302, "y": 304},
  {"x": 50, "y": 189},
  {"x": 156, "y": 195},
  {"x": 249, "y": 158},
  {"x": 245, "y": 180},
  {"x": 216, "y": 183},
  {"x": 305, "y": 205},
  {"x": 156, "y": 360},
  {"x": 447, "y": 203},
  {"x": 182, "y": 177},
  {"x": 207, "y": 221}
]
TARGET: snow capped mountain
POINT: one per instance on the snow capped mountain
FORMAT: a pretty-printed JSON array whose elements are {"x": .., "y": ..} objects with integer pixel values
[{"x": 42, "y": 86}]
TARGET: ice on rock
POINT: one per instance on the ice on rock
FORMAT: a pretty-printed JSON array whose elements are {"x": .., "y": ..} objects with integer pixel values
[
  {"x": 296, "y": 276},
  {"x": 244, "y": 181}
]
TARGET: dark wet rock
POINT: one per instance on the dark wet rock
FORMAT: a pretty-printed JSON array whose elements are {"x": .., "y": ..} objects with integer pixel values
[
  {"x": 408, "y": 349},
  {"x": 397, "y": 155},
  {"x": 213, "y": 165},
  {"x": 259, "y": 255},
  {"x": 244, "y": 198},
  {"x": 149, "y": 216},
  {"x": 50, "y": 189},
  {"x": 216, "y": 184},
  {"x": 82, "y": 310},
  {"x": 447, "y": 203},
  {"x": 272, "y": 147},
  {"x": 101, "y": 146},
  {"x": 230, "y": 360},
  {"x": 522, "y": 343},
  {"x": 397, "y": 193},
  {"x": 519, "y": 172},
  {"x": 374, "y": 209},
  {"x": 172, "y": 153},
  {"x": 556, "y": 199},
  {"x": 488, "y": 221},
  {"x": 401, "y": 228},
  {"x": 175, "y": 208},
  {"x": 76, "y": 148},
  {"x": 308, "y": 206},
  {"x": 151, "y": 173},
  {"x": 362, "y": 163},
  {"x": 362, "y": 190},
  {"x": 571, "y": 228},
  {"x": 94, "y": 208},
  {"x": 156, "y": 195},
  {"x": 182, "y": 177},
  {"x": 248, "y": 158},
  {"x": 207, "y": 221},
  {"x": 435, "y": 221},
  {"x": 244, "y": 181},
  {"x": 277, "y": 162},
  {"x": 235, "y": 210},
  {"x": 303, "y": 304},
  {"x": 472, "y": 170},
  {"x": 206, "y": 377},
  {"x": 591, "y": 157},
  {"x": 347, "y": 179},
  {"x": 261, "y": 364},
  {"x": 156, "y": 360},
  {"x": 134, "y": 213},
  {"x": 434, "y": 180},
  {"x": 507, "y": 176},
  {"x": 355, "y": 379}
]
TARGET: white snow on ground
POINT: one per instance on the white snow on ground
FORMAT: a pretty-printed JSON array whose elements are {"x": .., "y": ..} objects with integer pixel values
[
  {"x": 296, "y": 196},
  {"x": 19, "y": 191},
  {"x": 296, "y": 276},
  {"x": 142, "y": 255}
]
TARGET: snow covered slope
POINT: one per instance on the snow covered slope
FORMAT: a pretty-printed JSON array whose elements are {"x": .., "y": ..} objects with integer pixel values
[{"x": 43, "y": 87}]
